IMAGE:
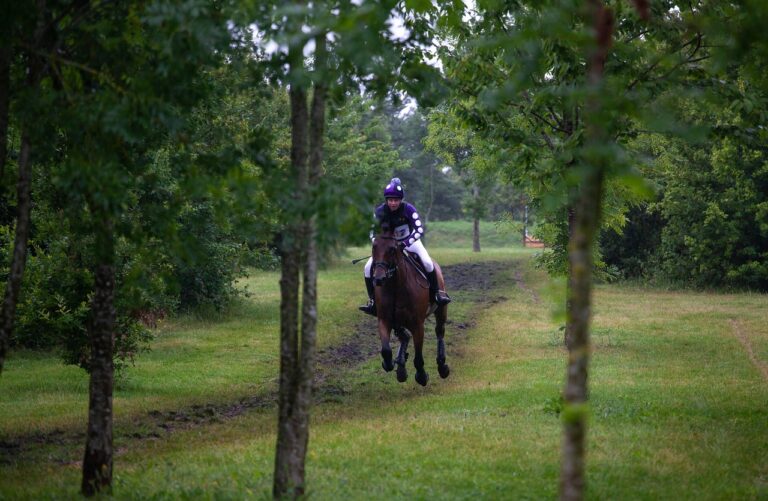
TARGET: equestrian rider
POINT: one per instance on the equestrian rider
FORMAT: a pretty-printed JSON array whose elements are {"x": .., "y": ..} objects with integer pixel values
[{"x": 408, "y": 230}]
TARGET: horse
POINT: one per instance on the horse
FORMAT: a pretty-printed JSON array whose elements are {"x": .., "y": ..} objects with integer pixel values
[{"x": 402, "y": 305}]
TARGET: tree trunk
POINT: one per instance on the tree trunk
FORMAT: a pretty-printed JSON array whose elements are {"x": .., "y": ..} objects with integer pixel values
[
  {"x": 289, "y": 468},
  {"x": 23, "y": 195},
  {"x": 476, "y": 220},
  {"x": 569, "y": 126},
  {"x": 286, "y": 480},
  {"x": 585, "y": 227},
  {"x": 5, "y": 100},
  {"x": 97, "y": 463},
  {"x": 579, "y": 312},
  {"x": 19, "y": 258},
  {"x": 297, "y": 366},
  {"x": 525, "y": 224},
  {"x": 476, "y": 234},
  {"x": 431, "y": 193},
  {"x": 306, "y": 372},
  {"x": 571, "y": 214}
]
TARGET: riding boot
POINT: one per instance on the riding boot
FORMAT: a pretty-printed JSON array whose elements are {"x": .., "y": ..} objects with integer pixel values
[
  {"x": 369, "y": 308},
  {"x": 435, "y": 294}
]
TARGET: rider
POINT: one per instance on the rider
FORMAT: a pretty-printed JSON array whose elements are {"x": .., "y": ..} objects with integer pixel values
[{"x": 408, "y": 230}]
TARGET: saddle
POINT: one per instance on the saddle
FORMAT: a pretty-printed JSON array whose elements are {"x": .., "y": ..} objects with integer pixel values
[{"x": 415, "y": 260}]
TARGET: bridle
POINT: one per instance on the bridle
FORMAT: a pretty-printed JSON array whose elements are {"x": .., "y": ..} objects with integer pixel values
[{"x": 389, "y": 268}]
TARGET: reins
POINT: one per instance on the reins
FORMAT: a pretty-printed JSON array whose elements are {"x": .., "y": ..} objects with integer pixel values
[{"x": 389, "y": 270}]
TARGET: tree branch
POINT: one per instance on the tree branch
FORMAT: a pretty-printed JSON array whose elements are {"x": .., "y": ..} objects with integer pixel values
[{"x": 658, "y": 61}]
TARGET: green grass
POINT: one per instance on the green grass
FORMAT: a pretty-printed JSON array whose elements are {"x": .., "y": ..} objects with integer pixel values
[
  {"x": 458, "y": 235},
  {"x": 678, "y": 409}
]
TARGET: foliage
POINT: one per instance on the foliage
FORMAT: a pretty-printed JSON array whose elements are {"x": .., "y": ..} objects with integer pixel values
[
  {"x": 517, "y": 73},
  {"x": 633, "y": 249},
  {"x": 469, "y": 156},
  {"x": 715, "y": 207},
  {"x": 705, "y": 229},
  {"x": 118, "y": 87},
  {"x": 359, "y": 159},
  {"x": 437, "y": 194}
]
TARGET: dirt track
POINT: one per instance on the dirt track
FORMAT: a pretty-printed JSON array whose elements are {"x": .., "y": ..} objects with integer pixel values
[{"x": 467, "y": 282}]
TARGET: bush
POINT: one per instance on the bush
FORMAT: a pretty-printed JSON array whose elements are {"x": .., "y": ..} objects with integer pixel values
[
  {"x": 631, "y": 250},
  {"x": 715, "y": 206}
]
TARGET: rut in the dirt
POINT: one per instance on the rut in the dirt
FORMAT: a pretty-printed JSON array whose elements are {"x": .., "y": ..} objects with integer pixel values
[{"x": 467, "y": 281}]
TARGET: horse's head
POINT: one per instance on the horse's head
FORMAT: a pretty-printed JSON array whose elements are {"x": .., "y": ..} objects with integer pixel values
[{"x": 384, "y": 256}]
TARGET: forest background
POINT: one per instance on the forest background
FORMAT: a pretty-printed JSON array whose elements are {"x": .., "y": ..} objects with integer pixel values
[
  {"x": 147, "y": 145},
  {"x": 199, "y": 211}
]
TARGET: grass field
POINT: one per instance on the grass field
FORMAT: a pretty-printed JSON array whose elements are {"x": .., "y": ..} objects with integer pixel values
[
  {"x": 458, "y": 235},
  {"x": 678, "y": 388}
]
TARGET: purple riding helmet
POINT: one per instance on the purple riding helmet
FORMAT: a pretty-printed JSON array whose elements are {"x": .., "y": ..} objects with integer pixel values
[{"x": 394, "y": 189}]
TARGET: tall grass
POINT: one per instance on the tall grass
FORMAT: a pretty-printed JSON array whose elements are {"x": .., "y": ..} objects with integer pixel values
[{"x": 678, "y": 405}]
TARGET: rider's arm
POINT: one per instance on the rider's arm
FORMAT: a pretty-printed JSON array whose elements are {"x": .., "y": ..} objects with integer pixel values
[{"x": 417, "y": 228}]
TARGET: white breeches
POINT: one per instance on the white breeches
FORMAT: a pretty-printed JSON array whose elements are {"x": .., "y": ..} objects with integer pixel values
[{"x": 416, "y": 248}]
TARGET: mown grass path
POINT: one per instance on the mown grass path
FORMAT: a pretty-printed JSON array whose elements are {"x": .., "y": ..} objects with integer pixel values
[
  {"x": 472, "y": 281},
  {"x": 679, "y": 407}
]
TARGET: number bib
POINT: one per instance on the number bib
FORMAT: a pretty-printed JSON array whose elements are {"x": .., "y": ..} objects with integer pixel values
[{"x": 401, "y": 232}]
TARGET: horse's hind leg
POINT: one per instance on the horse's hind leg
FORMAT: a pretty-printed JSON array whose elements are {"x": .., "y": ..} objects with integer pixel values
[
  {"x": 402, "y": 354},
  {"x": 418, "y": 360},
  {"x": 441, "y": 315}
]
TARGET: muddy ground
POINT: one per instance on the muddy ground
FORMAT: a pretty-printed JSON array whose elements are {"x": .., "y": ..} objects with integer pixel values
[{"x": 467, "y": 282}]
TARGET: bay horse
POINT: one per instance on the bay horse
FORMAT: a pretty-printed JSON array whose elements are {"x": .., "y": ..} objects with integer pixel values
[{"x": 402, "y": 305}]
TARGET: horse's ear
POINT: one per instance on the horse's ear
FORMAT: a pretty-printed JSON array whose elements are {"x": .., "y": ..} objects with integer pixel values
[{"x": 385, "y": 228}]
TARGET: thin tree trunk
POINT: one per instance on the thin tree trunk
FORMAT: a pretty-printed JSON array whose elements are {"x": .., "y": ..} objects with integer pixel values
[
  {"x": 476, "y": 220},
  {"x": 289, "y": 472},
  {"x": 309, "y": 299},
  {"x": 579, "y": 311},
  {"x": 525, "y": 224},
  {"x": 23, "y": 192},
  {"x": 285, "y": 479},
  {"x": 431, "y": 192},
  {"x": 6, "y": 53},
  {"x": 571, "y": 215},
  {"x": 19, "y": 258},
  {"x": 585, "y": 227},
  {"x": 569, "y": 125},
  {"x": 291, "y": 446},
  {"x": 297, "y": 366},
  {"x": 97, "y": 462}
]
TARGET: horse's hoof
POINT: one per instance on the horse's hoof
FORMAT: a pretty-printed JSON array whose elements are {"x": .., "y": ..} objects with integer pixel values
[
  {"x": 386, "y": 359},
  {"x": 422, "y": 378},
  {"x": 402, "y": 374},
  {"x": 444, "y": 370}
]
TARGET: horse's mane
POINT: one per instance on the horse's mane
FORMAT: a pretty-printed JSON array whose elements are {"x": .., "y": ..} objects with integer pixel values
[{"x": 386, "y": 232}]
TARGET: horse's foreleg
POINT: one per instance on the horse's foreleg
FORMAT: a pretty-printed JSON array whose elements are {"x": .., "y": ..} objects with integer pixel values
[
  {"x": 402, "y": 354},
  {"x": 418, "y": 360},
  {"x": 386, "y": 349},
  {"x": 441, "y": 315}
]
